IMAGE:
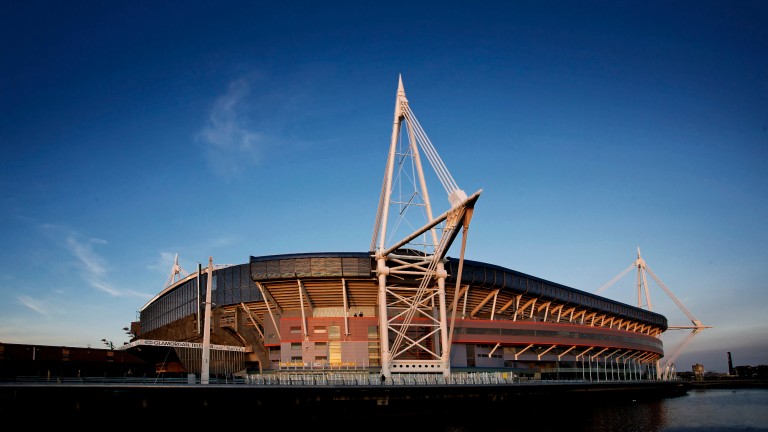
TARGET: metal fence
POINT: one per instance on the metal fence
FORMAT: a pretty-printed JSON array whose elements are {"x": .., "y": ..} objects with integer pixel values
[{"x": 350, "y": 378}]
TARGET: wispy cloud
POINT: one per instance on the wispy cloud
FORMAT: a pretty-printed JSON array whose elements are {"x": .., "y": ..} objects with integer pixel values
[
  {"x": 91, "y": 266},
  {"x": 225, "y": 241},
  {"x": 164, "y": 262},
  {"x": 33, "y": 304},
  {"x": 229, "y": 143},
  {"x": 94, "y": 264},
  {"x": 94, "y": 269}
]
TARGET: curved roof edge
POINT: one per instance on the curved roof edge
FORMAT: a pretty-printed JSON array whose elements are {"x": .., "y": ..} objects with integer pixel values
[
  {"x": 650, "y": 316},
  {"x": 646, "y": 315},
  {"x": 311, "y": 255}
]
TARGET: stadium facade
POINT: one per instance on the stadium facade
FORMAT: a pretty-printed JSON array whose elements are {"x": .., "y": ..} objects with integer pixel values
[{"x": 405, "y": 306}]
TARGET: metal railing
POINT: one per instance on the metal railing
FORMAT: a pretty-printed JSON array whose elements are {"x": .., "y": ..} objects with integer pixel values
[{"x": 351, "y": 378}]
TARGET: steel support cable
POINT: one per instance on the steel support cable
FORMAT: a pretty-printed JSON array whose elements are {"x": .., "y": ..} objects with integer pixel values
[
  {"x": 434, "y": 159},
  {"x": 439, "y": 171},
  {"x": 417, "y": 133},
  {"x": 672, "y": 296},
  {"x": 425, "y": 144},
  {"x": 616, "y": 278},
  {"x": 681, "y": 346}
]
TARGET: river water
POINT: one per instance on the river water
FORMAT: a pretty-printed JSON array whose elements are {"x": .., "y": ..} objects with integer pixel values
[{"x": 707, "y": 410}]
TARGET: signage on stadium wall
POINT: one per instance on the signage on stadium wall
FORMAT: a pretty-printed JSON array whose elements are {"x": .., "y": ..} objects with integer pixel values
[{"x": 178, "y": 344}]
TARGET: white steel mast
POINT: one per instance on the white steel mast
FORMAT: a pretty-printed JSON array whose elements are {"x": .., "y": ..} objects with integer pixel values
[
  {"x": 642, "y": 286},
  {"x": 413, "y": 324},
  {"x": 176, "y": 271}
]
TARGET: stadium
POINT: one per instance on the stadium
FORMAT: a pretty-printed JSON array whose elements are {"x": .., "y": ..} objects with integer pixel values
[{"x": 404, "y": 307}]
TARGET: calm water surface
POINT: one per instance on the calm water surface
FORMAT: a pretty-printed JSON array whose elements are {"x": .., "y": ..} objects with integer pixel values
[{"x": 711, "y": 410}]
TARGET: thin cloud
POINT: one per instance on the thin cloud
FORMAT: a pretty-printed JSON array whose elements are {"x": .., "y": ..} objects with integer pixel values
[
  {"x": 229, "y": 143},
  {"x": 102, "y": 285},
  {"x": 166, "y": 263},
  {"x": 33, "y": 304},
  {"x": 94, "y": 264},
  {"x": 163, "y": 264},
  {"x": 223, "y": 241},
  {"x": 93, "y": 268}
]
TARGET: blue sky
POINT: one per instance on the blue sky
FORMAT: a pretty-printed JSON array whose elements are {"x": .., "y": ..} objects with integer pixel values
[{"x": 133, "y": 131}]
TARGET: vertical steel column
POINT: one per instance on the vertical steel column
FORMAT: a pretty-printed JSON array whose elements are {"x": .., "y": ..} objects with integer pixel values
[
  {"x": 445, "y": 349},
  {"x": 382, "y": 270},
  {"x": 206, "y": 364}
]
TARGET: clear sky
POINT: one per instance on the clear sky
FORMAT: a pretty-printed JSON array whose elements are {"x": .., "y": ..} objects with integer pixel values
[{"x": 133, "y": 131}]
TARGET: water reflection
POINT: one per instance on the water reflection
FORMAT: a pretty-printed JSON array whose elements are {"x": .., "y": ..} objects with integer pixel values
[{"x": 713, "y": 410}]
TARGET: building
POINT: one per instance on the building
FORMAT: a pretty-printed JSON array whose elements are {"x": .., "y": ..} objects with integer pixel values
[
  {"x": 402, "y": 307},
  {"x": 52, "y": 363}
]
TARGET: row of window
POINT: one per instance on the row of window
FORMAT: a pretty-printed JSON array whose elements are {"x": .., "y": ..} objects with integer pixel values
[
  {"x": 230, "y": 285},
  {"x": 334, "y": 331}
]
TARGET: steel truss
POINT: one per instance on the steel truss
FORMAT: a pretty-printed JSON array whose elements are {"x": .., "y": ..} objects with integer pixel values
[{"x": 413, "y": 324}]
